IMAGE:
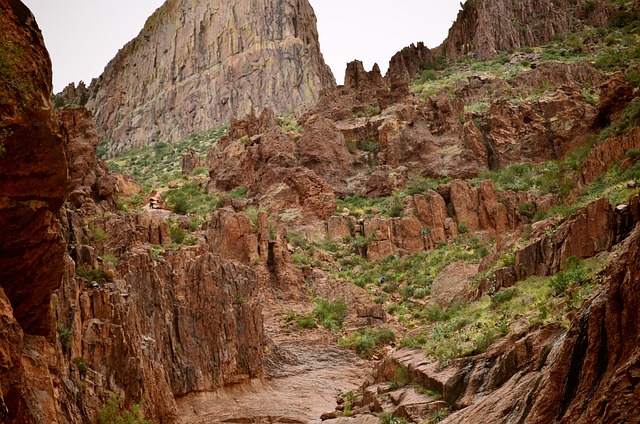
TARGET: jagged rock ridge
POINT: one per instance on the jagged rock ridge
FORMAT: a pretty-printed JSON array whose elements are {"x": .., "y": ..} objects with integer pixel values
[{"x": 196, "y": 65}]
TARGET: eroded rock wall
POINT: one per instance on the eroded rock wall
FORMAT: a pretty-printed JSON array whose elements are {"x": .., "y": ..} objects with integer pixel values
[
  {"x": 196, "y": 65},
  {"x": 486, "y": 27},
  {"x": 164, "y": 325},
  {"x": 33, "y": 184}
]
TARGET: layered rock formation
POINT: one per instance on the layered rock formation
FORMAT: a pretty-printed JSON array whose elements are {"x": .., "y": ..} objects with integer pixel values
[
  {"x": 155, "y": 327},
  {"x": 198, "y": 65}
]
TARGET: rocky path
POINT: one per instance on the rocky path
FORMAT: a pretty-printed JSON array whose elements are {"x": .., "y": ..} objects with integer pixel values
[
  {"x": 309, "y": 382},
  {"x": 305, "y": 371}
]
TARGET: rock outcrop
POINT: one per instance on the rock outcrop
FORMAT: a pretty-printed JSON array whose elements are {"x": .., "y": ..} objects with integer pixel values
[
  {"x": 594, "y": 378},
  {"x": 189, "y": 317},
  {"x": 91, "y": 183},
  {"x": 198, "y": 65},
  {"x": 258, "y": 155},
  {"x": 591, "y": 230}
]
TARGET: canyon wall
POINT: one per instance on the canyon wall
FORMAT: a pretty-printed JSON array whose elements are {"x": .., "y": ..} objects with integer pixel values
[
  {"x": 196, "y": 65},
  {"x": 33, "y": 183}
]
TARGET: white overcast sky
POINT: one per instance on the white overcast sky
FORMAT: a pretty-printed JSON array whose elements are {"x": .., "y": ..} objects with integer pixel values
[{"x": 83, "y": 35}]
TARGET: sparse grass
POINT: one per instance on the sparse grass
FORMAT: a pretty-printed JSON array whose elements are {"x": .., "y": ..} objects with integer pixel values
[
  {"x": 156, "y": 165},
  {"x": 303, "y": 320},
  {"x": 189, "y": 198},
  {"x": 388, "y": 418},
  {"x": 65, "y": 335},
  {"x": 417, "y": 270},
  {"x": 469, "y": 329},
  {"x": 98, "y": 275}
]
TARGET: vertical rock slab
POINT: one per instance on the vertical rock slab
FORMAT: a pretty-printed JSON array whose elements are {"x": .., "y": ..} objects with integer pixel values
[{"x": 33, "y": 172}]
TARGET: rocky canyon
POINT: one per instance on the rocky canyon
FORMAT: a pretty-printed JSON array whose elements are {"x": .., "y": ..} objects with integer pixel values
[{"x": 214, "y": 231}]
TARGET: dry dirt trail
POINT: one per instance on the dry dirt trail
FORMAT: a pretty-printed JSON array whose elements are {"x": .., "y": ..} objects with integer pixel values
[{"x": 305, "y": 371}]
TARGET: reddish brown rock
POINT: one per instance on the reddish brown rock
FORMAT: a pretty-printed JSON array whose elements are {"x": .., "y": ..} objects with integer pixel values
[
  {"x": 322, "y": 149},
  {"x": 453, "y": 284},
  {"x": 267, "y": 164},
  {"x": 431, "y": 210},
  {"x": 190, "y": 161},
  {"x": 582, "y": 235},
  {"x": 358, "y": 79},
  {"x": 594, "y": 378},
  {"x": 91, "y": 182},
  {"x": 542, "y": 129},
  {"x": 33, "y": 174},
  {"x": 616, "y": 93},
  {"x": 604, "y": 154},
  {"x": 408, "y": 62}
]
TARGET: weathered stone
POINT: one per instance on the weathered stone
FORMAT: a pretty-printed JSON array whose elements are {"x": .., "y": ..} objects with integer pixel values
[
  {"x": 91, "y": 181},
  {"x": 33, "y": 174},
  {"x": 323, "y": 150},
  {"x": 453, "y": 283},
  {"x": 477, "y": 29},
  {"x": 195, "y": 65}
]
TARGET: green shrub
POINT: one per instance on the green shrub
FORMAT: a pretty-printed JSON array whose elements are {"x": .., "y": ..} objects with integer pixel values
[
  {"x": 98, "y": 275},
  {"x": 368, "y": 146},
  {"x": 81, "y": 365},
  {"x": 200, "y": 170},
  {"x": 503, "y": 296},
  {"x": 301, "y": 259},
  {"x": 189, "y": 198},
  {"x": 306, "y": 321},
  {"x": 65, "y": 335},
  {"x": 527, "y": 209},
  {"x": 239, "y": 192},
  {"x": 388, "y": 418},
  {"x": 428, "y": 75},
  {"x": 364, "y": 341},
  {"x": 438, "y": 415},
  {"x": 633, "y": 154},
  {"x": 396, "y": 209},
  {"x": 113, "y": 413},
  {"x": 178, "y": 234},
  {"x": 330, "y": 313}
]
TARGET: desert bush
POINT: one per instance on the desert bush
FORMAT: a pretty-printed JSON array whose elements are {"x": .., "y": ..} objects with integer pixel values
[
  {"x": 113, "y": 413},
  {"x": 365, "y": 341},
  {"x": 331, "y": 313}
]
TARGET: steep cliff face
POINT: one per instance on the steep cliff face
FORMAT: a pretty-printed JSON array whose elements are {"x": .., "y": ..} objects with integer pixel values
[
  {"x": 595, "y": 377},
  {"x": 486, "y": 27},
  {"x": 33, "y": 172},
  {"x": 200, "y": 64},
  {"x": 33, "y": 182},
  {"x": 159, "y": 325}
]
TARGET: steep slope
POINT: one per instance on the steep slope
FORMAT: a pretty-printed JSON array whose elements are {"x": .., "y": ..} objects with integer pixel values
[{"x": 200, "y": 64}]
